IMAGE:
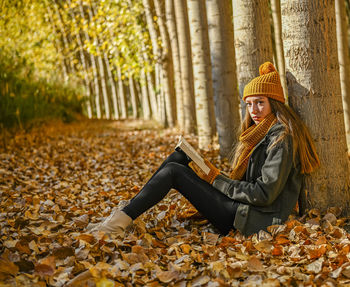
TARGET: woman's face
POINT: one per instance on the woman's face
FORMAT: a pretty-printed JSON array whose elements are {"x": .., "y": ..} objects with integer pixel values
[{"x": 259, "y": 107}]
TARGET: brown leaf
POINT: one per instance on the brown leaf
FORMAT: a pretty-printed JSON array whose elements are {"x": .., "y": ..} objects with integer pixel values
[
  {"x": 168, "y": 276},
  {"x": 264, "y": 246},
  {"x": 210, "y": 238},
  {"x": 254, "y": 264},
  {"x": 186, "y": 248},
  {"x": 277, "y": 250},
  {"x": 316, "y": 252},
  {"x": 6, "y": 266},
  {"x": 89, "y": 238},
  {"x": 46, "y": 266},
  {"x": 200, "y": 280}
]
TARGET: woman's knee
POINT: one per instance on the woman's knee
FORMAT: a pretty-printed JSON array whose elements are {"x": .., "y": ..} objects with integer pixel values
[
  {"x": 175, "y": 169},
  {"x": 178, "y": 157}
]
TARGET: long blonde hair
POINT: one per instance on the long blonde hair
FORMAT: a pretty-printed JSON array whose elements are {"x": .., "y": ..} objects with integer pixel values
[{"x": 303, "y": 145}]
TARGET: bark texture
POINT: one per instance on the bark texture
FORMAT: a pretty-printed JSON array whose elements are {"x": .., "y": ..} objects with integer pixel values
[
  {"x": 310, "y": 48},
  {"x": 149, "y": 13},
  {"x": 171, "y": 26},
  {"x": 203, "y": 86},
  {"x": 167, "y": 65},
  {"x": 94, "y": 67},
  {"x": 83, "y": 62},
  {"x": 183, "y": 33},
  {"x": 252, "y": 39},
  {"x": 222, "y": 53},
  {"x": 343, "y": 56},
  {"x": 277, "y": 25}
]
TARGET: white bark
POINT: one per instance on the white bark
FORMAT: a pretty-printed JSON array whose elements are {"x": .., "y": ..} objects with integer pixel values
[
  {"x": 222, "y": 53},
  {"x": 167, "y": 65},
  {"x": 252, "y": 35},
  {"x": 344, "y": 63},
  {"x": 203, "y": 87},
  {"x": 171, "y": 24},
  {"x": 94, "y": 67},
  {"x": 83, "y": 62},
  {"x": 277, "y": 25},
  {"x": 310, "y": 49},
  {"x": 186, "y": 64}
]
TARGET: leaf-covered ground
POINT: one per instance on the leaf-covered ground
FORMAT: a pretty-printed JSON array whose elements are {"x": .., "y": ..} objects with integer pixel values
[{"x": 58, "y": 178}]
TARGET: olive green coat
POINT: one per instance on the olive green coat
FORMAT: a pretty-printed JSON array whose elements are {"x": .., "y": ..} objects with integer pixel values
[{"x": 270, "y": 188}]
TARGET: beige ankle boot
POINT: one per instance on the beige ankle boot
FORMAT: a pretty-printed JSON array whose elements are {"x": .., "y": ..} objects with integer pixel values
[{"x": 115, "y": 223}]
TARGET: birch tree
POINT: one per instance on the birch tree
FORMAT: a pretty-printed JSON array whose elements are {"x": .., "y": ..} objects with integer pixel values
[
  {"x": 222, "y": 53},
  {"x": 252, "y": 34},
  {"x": 83, "y": 60},
  {"x": 171, "y": 26},
  {"x": 183, "y": 33},
  {"x": 203, "y": 87},
  {"x": 310, "y": 48},
  {"x": 344, "y": 63},
  {"x": 167, "y": 65},
  {"x": 93, "y": 63},
  {"x": 277, "y": 25}
]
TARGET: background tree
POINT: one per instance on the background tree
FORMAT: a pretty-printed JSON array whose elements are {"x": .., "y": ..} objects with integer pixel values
[
  {"x": 344, "y": 63},
  {"x": 252, "y": 35},
  {"x": 223, "y": 62},
  {"x": 171, "y": 26},
  {"x": 314, "y": 92},
  {"x": 203, "y": 88},
  {"x": 183, "y": 33},
  {"x": 277, "y": 28},
  {"x": 149, "y": 13},
  {"x": 167, "y": 64}
]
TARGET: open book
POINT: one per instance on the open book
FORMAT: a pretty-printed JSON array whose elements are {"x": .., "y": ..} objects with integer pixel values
[{"x": 192, "y": 154}]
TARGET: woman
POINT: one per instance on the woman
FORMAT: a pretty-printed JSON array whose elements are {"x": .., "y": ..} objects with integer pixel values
[{"x": 274, "y": 151}]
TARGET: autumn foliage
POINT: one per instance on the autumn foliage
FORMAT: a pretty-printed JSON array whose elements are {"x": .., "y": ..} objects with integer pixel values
[{"x": 58, "y": 178}]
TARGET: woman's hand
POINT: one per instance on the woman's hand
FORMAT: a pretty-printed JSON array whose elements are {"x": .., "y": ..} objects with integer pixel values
[{"x": 210, "y": 177}]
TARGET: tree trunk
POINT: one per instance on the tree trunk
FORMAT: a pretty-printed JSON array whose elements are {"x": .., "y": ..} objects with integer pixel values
[
  {"x": 83, "y": 62},
  {"x": 121, "y": 93},
  {"x": 183, "y": 33},
  {"x": 167, "y": 64},
  {"x": 252, "y": 40},
  {"x": 156, "y": 53},
  {"x": 114, "y": 94},
  {"x": 161, "y": 104},
  {"x": 59, "y": 44},
  {"x": 310, "y": 48},
  {"x": 171, "y": 25},
  {"x": 94, "y": 67},
  {"x": 151, "y": 89},
  {"x": 203, "y": 86},
  {"x": 133, "y": 97},
  {"x": 343, "y": 55},
  {"x": 64, "y": 38},
  {"x": 103, "y": 77},
  {"x": 146, "y": 109},
  {"x": 277, "y": 25},
  {"x": 222, "y": 53}
]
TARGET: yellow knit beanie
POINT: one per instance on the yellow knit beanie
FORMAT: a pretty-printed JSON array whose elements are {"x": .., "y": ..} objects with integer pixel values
[{"x": 268, "y": 84}]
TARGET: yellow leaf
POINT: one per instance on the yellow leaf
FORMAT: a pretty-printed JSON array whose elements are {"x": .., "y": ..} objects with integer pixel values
[{"x": 104, "y": 282}]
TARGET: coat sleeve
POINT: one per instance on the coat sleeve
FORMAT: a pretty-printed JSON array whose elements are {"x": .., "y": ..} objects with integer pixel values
[{"x": 274, "y": 174}]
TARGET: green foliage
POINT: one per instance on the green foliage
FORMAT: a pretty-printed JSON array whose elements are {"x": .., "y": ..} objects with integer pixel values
[
  {"x": 39, "y": 46},
  {"x": 25, "y": 101}
]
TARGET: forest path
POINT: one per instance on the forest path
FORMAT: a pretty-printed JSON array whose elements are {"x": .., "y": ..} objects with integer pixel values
[{"x": 57, "y": 178}]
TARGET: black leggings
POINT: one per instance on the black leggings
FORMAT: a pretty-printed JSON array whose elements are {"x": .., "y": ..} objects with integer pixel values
[{"x": 174, "y": 172}]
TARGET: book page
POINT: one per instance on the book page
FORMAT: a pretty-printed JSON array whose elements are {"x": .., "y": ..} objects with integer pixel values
[{"x": 193, "y": 154}]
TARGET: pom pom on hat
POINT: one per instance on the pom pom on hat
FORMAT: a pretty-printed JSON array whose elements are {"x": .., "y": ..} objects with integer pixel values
[
  {"x": 268, "y": 84},
  {"x": 266, "y": 68}
]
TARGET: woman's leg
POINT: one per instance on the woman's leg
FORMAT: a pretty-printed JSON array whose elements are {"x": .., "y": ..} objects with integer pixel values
[{"x": 211, "y": 203}]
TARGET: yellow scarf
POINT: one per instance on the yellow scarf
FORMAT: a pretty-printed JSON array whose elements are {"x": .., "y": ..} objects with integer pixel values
[{"x": 250, "y": 138}]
